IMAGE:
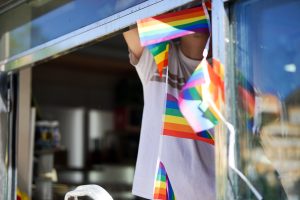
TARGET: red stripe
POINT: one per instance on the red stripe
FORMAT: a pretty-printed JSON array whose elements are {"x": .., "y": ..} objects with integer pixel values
[
  {"x": 161, "y": 66},
  {"x": 248, "y": 100},
  {"x": 168, "y": 17},
  {"x": 153, "y": 20},
  {"x": 187, "y": 135}
]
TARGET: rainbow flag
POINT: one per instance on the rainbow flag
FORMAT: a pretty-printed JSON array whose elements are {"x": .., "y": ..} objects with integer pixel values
[
  {"x": 177, "y": 126},
  {"x": 160, "y": 54},
  {"x": 246, "y": 98},
  {"x": 163, "y": 189},
  {"x": 173, "y": 25},
  {"x": 193, "y": 106},
  {"x": 155, "y": 32}
]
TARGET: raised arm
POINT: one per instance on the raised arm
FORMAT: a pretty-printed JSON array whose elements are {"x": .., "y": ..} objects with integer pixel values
[{"x": 133, "y": 42}]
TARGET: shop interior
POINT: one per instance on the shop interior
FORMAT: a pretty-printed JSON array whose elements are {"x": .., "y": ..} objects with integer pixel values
[{"x": 88, "y": 109}]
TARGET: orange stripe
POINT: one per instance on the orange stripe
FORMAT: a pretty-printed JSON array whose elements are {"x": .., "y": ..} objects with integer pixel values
[
  {"x": 160, "y": 195},
  {"x": 216, "y": 83},
  {"x": 160, "y": 191},
  {"x": 188, "y": 135},
  {"x": 178, "y": 127},
  {"x": 161, "y": 66}
]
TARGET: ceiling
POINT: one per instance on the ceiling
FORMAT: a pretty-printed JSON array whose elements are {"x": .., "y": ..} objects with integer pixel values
[{"x": 109, "y": 56}]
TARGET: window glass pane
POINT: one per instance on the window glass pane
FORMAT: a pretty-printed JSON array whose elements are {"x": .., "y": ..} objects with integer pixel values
[
  {"x": 38, "y": 21},
  {"x": 267, "y": 83}
]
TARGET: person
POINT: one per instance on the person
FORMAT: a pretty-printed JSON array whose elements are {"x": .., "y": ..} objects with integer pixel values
[{"x": 190, "y": 164}]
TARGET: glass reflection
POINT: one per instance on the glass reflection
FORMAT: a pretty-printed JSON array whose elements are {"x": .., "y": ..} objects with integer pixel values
[{"x": 268, "y": 97}]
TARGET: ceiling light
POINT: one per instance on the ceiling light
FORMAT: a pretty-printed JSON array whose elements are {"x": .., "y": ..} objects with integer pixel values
[{"x": 290, "y": 68}]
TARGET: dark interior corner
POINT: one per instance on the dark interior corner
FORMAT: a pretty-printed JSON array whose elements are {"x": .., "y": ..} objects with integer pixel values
[{"x": 92, "y": 101}]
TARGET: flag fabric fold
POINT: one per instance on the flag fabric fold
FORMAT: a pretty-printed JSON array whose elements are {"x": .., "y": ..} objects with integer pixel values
[
  {"x": 172, "y": 25},
  {"x": 155, "y": 32},
  {"x": 160, "y": 54},
  {"x": 193, "y": 105},
  {"x": 163, "y": 189},
  {"x": 176, "y": 125}
]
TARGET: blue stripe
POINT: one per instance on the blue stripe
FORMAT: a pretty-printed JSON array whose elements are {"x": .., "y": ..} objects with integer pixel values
[
  {"x": 198, "y": 75},
  {"x": 187, "y": 95},
  {"x": 165, "y": 33},
  {"x": 172, "y": 104}
]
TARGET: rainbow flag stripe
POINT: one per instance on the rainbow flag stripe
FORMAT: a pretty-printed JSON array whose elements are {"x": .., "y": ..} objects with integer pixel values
[
  {"x": 246, "y": 98},
  {"x": 169, "y": 26},
  {"x": 193, "y": 106},
  {"x": 160, "y": 54},
  {"x": 163, "y": 189},
  {"x": 177, "y": 126},
  {"x": 216, "y": 88}
]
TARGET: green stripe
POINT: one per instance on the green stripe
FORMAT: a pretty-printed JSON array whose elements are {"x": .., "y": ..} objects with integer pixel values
[
  {"x": 208, "y": 114},
  {"x": 158, "y": 48},
  {"x": 194, "y": 93},
  {"x": 173, "y": 112},
  {"x": 161, "y": 177},
  {"x": 203, "y": 21},
  {"x": 171, "y": 28}
]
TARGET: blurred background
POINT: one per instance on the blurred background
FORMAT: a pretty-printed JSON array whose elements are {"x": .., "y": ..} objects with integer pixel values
[{"x": 88, "y": 114}]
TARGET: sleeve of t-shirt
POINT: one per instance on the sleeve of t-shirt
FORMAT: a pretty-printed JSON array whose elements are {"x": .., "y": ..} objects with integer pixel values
[{"x": 145, "y": 66}]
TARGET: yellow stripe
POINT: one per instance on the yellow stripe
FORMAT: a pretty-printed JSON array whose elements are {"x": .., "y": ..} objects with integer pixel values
[
  {"x": 214, "y": 113},
  {"x": 161, "y": 57},
  {"x": 199, "y": 90},
  {"x": 175, "y": 120},
  {"x": 160, "y": 185},
  {"x": 161, "y": 25}
]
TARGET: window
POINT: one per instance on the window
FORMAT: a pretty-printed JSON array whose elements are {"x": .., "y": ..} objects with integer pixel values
[
  {"x": 34, "y": 30},
  {"x": 267, "y": 93}
]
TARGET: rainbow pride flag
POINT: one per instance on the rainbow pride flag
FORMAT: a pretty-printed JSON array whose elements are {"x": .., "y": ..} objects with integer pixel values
[
  {"x": 163, "y": 189},
  {"x": 176, "y": 125},
  {"x": 155, "y": 32},
  {"x": 193, "y": 106},
  {"x": 173, "y": 25},
  {"x": 160, "y": 54}
]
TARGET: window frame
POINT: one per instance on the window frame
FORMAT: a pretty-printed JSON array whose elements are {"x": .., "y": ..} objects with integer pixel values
[{"x": 88, "y": 34}]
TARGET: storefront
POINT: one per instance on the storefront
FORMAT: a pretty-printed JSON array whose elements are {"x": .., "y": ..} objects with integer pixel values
[{"x": 256, "y": 40}]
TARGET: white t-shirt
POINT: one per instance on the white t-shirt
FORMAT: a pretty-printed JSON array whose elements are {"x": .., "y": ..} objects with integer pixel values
[{"x": 190, "y": 164}]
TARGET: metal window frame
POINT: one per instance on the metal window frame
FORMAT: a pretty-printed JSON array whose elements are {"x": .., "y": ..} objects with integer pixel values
[
  {"x": 9, "y": 108},
  {"x": 223, "y": 51},
  {"x": 93, "y": 32}
]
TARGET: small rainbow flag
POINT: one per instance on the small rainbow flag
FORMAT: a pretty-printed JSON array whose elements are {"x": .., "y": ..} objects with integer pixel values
[
  {"x": 176, "y": 125},
  {"x": 160, "y": 54},
  {"x": 195, "y": 109},
  {"x": 163, "y": 189},
  {"x": 155, "y": 32},
  {"x": 173, "y": 25}
]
